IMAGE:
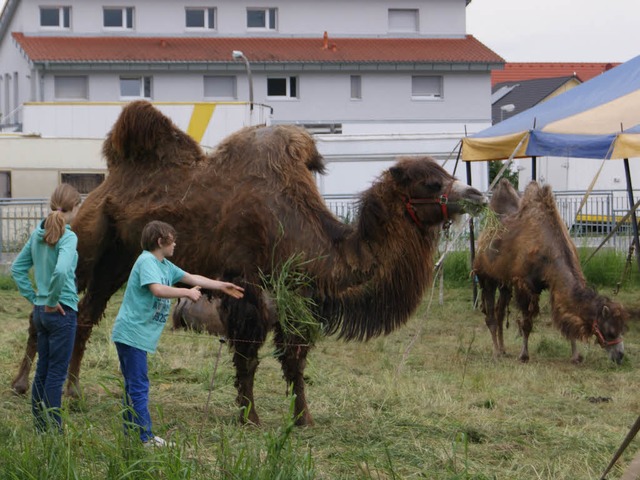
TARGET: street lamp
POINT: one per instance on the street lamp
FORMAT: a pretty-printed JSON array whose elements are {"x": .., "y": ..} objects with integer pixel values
[
  {"x": 238, "y": 55},
  {"x": 509, "y": 107}
]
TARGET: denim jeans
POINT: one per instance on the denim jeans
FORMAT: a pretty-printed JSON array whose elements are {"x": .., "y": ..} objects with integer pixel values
[
  {"x": 56, "y": 335},
  {"x": 133, "y": 365}
]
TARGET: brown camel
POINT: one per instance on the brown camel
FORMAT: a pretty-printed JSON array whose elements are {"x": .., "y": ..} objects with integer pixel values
[
  {"x": 245, "y": 209},
  {"x": 531, "y": 251}
]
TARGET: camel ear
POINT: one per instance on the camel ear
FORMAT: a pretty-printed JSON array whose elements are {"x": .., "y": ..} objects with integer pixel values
[
  {"x": 606, "y": 313},
  {"x": 399, "y": 175}
]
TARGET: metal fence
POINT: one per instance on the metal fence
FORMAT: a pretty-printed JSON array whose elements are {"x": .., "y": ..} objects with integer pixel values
[{"x": 587, "y": 226}]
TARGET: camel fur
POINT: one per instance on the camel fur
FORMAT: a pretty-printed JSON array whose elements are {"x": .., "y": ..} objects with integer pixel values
[
  {"x": 245, "y": 209},
  {"x": 531, "y": 251}
]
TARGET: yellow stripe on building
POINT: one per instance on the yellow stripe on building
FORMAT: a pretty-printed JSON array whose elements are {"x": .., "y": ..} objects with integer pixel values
[{"x": 200, "y": 118}]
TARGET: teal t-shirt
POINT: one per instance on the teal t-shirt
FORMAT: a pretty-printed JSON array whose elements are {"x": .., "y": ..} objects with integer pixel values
[
  {"x": 142, "y": 316},
  {"x": 54, "y": 269}
]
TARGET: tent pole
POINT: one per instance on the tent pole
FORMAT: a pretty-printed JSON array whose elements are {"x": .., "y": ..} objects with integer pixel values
[
  {"x": 472, "y": 242},
  {"x": 634, "y": 220},
  {"x": 534, "y": 173}
]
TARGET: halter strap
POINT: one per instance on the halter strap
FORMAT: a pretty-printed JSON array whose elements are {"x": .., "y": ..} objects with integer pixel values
[
  {"x": 442, "y": 200},
  {"x": 601, "y": 340}
]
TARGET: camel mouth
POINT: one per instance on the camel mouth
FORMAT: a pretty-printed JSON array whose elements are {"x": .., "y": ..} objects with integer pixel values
[
  {"x": 616, "y": 353},
  {"x": 475, "y": 204}
]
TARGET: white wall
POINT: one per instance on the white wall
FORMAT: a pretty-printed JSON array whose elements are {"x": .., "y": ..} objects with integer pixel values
[
  {"x": 295, "y": 17},
  {"x": 567, "y": 174}
]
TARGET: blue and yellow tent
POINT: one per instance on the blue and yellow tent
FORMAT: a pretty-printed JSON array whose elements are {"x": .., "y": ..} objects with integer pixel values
[{"x": 597, "y": 119}]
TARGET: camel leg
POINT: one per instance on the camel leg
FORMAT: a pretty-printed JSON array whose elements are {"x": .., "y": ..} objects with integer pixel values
[
  {"x": 488, "y": 303},
  {"x": 576, "y": 357},
  {"x": 293, "y": 358},
  {"x": 245, "y": 359},
  {"x": 528, "y": 304},
  {"x": 20, "y": 383},
  {"x": 503, "y": 303},
  {"x": 247, "y": 329}
]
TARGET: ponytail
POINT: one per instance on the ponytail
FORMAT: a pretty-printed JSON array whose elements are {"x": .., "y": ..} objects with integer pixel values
[
  {"x": 54, "y": 226},
  {"x": 64, "y": 199}
]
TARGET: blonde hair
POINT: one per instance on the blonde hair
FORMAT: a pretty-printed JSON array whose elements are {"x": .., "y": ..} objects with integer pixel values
[{"x": 63, "y": 199}]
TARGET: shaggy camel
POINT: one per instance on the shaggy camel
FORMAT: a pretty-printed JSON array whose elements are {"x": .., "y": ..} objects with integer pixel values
[
  {"x": 529, "y": 252},
  {"x": 247, "y": 208}
]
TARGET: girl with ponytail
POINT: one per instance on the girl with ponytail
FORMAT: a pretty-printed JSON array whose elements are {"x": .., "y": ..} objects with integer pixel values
[{"x": 51, "y": 252}]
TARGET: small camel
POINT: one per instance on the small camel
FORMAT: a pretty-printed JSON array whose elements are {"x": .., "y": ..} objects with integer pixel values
[
  {"x": 531, "y": 251},
  {"x": 246, "y": 209}
]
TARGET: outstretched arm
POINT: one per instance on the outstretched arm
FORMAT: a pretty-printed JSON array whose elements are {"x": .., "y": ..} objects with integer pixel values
[
  {"x": 164, "y": 291},
  {"x": 230, "y": 289}
]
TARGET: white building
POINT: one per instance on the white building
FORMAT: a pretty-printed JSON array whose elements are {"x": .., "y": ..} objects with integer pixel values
[{"x": 372, "y": 78}]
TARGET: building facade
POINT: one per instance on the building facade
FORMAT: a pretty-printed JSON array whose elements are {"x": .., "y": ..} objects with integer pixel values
[{"x": 373, "y": 79}]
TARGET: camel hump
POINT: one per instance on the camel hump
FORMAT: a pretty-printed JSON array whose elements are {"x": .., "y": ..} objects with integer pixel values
[
  {"x": 143, "y": 135},
  {"x": 505, "y": 200},
  {"x": 276, "y": 148},
  {"x": 538, "y": 195}
]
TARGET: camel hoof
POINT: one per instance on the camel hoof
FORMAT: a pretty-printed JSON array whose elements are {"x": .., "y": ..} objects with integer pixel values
[
  {"x": 73, "y": 392},
  {"x": 19, "y": 388},
  {"x": 577, "y": 360},
  {"x": 304, "y": 420},
  {"x": 250, "y": 418}
]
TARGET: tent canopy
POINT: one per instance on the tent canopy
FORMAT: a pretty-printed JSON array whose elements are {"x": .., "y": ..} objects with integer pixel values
[{"x": 597, "y": 119}]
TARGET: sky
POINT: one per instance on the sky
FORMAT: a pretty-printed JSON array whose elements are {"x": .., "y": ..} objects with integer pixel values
[
  {"x": 570, "y": 31},
  {"x": 555, "y": 30}
]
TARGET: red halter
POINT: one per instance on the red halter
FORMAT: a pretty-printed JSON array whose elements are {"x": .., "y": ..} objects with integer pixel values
[
  {"x": 601, "y": 340},
  {"x": 442, "y": 200}
]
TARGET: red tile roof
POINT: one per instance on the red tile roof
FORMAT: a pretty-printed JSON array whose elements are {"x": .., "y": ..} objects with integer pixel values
[
  {"x": 514, "y": 72},
  {"x": 218, "y": 49}
]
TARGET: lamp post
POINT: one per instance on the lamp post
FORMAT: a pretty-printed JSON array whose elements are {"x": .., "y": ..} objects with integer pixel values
[
  {"x": 238, "y": 55},
  {"x": 509, "y": 107}
]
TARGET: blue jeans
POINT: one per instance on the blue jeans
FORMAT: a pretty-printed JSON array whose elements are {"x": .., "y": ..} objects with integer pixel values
[
  {"x": 133, "y": 365},
  {"x": 56, "y": 335}
]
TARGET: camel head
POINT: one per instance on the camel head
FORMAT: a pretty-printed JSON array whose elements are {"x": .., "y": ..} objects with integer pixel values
[
  {"x": 608, "y": 326},
  {"x": 430, "y": 194}
]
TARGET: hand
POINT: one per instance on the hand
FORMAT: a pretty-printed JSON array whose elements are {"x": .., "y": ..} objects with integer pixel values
[
  {"x": 194, "y": 294},
  {"x": 232, "y": 289},
  {"x": 58, "y": 308}
]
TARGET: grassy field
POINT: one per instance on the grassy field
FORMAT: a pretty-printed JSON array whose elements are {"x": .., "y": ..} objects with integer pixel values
[{"x": 427, "y": 401}]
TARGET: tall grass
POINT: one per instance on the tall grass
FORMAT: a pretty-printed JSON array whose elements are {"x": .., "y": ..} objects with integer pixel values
[{"x": 451, "y": 412}]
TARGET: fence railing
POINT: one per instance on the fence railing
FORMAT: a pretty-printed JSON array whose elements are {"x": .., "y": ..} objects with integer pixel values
[{"x": 587, "y": 226}]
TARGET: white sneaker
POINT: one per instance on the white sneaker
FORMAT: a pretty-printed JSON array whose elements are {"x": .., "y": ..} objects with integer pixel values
[{"x": 158, "y": 442}]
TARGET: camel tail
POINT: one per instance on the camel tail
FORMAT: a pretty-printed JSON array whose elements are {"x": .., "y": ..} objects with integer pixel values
[{"x": 142, "y": 135}]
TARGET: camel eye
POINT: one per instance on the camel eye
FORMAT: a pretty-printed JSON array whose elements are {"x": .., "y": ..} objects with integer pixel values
[{"x": 433, "y": 187}]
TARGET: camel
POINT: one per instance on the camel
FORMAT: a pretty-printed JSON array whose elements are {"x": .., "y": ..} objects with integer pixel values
[
  {"x": 531, "y": 251},
  {"x": 246, "y": 208}
]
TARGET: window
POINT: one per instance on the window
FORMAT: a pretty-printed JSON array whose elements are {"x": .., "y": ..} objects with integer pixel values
[
  {"x": 5, "y": 184},
  {"x": 282, "y": 87},
  {"x": 426, "y": 87},
  {"x": 356, "y": 87},
  {"x": 118, "y": 17},
  {"x": 70, "y": 88},
  {"x": 83, "y": 182},
  {"x": 200, "y": 18},
  {"x": 262, "y": 18},
  {"x": 401, "y": 20},
  {"x": 219, "y": 86},
  {"x": 135, "y": 87},
  {"x": 55, "y": 17}
]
